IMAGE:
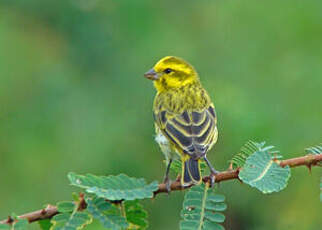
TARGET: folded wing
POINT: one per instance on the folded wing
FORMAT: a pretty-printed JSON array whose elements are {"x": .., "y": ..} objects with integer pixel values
[{"x": 192, "y": 133}]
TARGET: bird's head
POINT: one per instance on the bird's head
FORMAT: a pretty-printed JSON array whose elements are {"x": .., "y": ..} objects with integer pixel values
[{"x": 172, "y": 72}]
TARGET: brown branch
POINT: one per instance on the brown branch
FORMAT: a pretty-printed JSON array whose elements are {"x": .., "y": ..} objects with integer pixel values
[
  {"x": 41, "y": 214},
  {"x": 308, "y": 160},
  {"x": 50, "y": 210},
  {"x": 222, "y": 176}
]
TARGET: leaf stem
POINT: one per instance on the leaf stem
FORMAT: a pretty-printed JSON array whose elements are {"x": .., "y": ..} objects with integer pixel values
[
  {"x": 203, "y": 206},
  {"x": 122, "y": 209}
]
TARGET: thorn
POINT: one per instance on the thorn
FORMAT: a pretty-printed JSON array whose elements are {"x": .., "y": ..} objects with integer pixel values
[
  {"x": 10, "y": 220},
  {"x": 168, "y": 186},
  {"x": 49, "y": 206},
  {"x": 82, "y": 204},
  {"x": 276, "y": 160},
  {"x": 81, "y": 196},
  {"x": 239, "y": 180},
  {"x": 43, "y": 212},
  {"x": 238, "y": 170},
  {"x": 309, "y": 166},
  {"x": 230, "y": 166}
]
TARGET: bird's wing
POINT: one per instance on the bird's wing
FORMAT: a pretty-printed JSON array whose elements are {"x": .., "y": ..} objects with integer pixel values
[{"x": 192, "y": 133}]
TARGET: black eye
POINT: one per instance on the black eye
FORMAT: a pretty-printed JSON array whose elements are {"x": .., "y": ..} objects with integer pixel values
[{"x": 168, "y": 70}]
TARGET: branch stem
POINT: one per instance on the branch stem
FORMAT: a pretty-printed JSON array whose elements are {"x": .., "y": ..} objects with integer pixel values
[{"x": 50, "y": 210}]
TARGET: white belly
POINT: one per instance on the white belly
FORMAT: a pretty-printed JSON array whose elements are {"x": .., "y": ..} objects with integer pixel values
[{"x": 165, "y": 146}]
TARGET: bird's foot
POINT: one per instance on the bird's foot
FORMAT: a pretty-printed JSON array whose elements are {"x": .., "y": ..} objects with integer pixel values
[
  {"x": 167, "y": 183},
  {"x": 212, "y": 178}
]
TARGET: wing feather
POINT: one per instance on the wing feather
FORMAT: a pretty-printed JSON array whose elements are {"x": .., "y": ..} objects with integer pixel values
[{"x": 192, "y": 133}]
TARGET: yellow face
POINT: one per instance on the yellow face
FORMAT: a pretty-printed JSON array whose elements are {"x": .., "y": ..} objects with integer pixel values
[{"x": 171, "y": 72}]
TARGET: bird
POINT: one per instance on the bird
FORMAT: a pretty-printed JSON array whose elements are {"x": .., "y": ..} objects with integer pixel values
[{"x": 184, "y": 117}]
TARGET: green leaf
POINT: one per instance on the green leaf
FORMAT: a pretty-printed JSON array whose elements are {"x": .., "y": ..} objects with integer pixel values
[
  {"x": 202, "y": 209},
  {"x": 70, "y": 221},
  {"x": 246, "y": 150},
  {"x": 260, "y": 171},
  {"x": 121, "y": 187},
  {"x": 135, "y": 214},
  {"x": 21, "y": 224},
  {"x": 106, "y": 213},
  {"x": 44, "y": 224},
  {"x": 315, "y": 150},
  {"x": 65, "y": 206},
  {"x": 176, "y": 166},
  {"x": 213, "y": 226},
  {"x": 75, "y": 197}
]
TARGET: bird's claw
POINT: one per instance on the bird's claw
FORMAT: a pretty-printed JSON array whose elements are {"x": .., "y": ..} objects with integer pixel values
[
  {"x": 212, "y": 178},
  {"x": 167, "y": 183}
]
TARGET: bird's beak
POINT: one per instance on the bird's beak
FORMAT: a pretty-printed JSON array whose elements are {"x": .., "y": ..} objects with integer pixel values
[{"x": 151, "y": 74}]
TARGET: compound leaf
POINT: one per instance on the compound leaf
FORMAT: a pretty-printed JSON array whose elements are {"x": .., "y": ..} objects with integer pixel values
[
  {"x": 70, "y": 221},
  {"x": 136, "y": 215},
  {"x": 202, "y": 209},
  {"x": 262, "y": 172},
  {"x": 315, "y": 150},
  {"x": 176, "y": 166},
  {"x": 246, "y": 150},
  {"x": 109, "y": 216},
  {"x": 66, "y": 206},
  {"x": 44, "y": 224},
  {"x": 120, "y": 187}
]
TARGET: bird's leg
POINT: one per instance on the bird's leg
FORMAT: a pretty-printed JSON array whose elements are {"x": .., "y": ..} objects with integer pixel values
[
  {"x": 213, "y": 172},
  {"x": 167, "y": 180}
]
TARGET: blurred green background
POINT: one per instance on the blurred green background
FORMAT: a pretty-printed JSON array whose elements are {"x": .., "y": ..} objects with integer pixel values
[{"x": 73, "y": 97}]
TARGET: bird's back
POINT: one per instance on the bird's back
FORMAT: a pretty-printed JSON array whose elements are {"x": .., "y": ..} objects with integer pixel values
[{"x": 186, "y": 116}]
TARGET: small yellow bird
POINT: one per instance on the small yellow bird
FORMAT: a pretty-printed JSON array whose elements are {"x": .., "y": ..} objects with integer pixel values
[{"x": 185, "y": 118}]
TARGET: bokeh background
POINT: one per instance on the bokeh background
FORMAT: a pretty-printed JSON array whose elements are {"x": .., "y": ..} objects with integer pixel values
[{"x": 73, "y": 97}]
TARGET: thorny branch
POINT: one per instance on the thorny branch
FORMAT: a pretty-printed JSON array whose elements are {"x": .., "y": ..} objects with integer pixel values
[{"x": 50, "y": 210}]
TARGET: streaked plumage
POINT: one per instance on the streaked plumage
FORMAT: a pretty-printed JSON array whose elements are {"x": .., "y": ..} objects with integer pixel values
[{"x": 185, "y": 118}]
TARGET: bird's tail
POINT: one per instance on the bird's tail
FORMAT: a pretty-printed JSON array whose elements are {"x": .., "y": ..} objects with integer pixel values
[{"x": 190, "y": 171}]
